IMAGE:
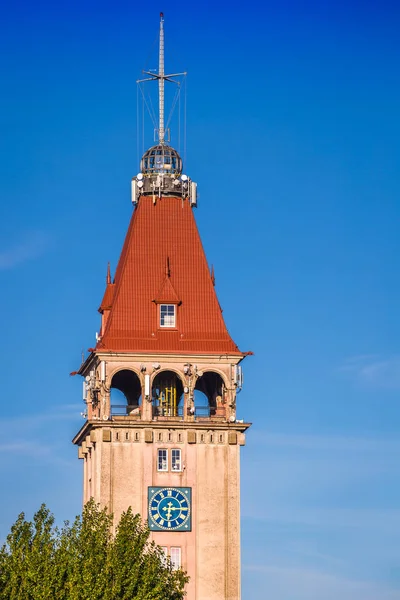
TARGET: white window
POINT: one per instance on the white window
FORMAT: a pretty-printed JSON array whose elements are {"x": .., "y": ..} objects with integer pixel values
[
  {"x": 162, "y": 460},
  {"x": 176, "y": 557},
  {"x": 165, "y": 550},
  {"x": 167, "y": 315},
  {"x": 176, "y": 463}
]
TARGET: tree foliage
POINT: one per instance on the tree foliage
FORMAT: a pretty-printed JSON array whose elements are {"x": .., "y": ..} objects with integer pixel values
[{"x": 85, "y": 560}]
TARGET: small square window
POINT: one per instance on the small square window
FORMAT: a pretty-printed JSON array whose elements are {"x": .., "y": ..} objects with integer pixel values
[
  {"x": 176, "y": 463},
  {"x": 162, "y": 460},
  {"x": 176, "y": 557},
  {"x": 167, "y": 315}
]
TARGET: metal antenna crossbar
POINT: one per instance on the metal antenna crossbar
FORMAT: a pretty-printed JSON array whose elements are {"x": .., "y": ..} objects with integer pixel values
[{"x": 161, "y": 78}]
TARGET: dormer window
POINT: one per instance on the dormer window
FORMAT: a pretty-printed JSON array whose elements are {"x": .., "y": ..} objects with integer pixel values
[{"x": 167, "y": 315}]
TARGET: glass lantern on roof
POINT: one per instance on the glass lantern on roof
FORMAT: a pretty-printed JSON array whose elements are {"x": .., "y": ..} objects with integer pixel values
[{"x": 161, "y": 159}]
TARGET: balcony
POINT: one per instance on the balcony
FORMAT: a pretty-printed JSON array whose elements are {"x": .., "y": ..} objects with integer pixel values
[
  {"x": 167, "y": 413},
  {"x": 162, "y": 413},
  {"x": 125, "y": 410}
]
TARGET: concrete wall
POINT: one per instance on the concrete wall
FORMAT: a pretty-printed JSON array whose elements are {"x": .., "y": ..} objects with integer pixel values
[{"x": 117, "y": 473}]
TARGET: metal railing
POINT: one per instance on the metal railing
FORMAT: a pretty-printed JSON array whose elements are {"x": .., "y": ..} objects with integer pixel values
[
  {"x": 159, "y": 411},
  {"x": 123, "y": 410},
  {"x": 202, "y": 411},
  {"x": 126, "y": 410}
]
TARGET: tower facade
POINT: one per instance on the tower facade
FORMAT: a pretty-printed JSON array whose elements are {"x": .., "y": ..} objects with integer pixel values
[{"x": 160, "y": 385}]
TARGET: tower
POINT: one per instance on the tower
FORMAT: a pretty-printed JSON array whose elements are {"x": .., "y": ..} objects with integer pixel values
[{"x": 160, "y": 385}]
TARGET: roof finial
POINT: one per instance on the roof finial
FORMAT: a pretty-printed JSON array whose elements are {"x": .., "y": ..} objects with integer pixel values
[
  {"x": 212, "y": 275},
  {"x": 108, "y": 277},
  {"x": 167, "y": 268}
]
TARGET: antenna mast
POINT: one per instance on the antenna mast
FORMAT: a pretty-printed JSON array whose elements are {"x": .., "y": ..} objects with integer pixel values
[
  {"x": 161, "y": 131},
  {"x": 161, "y": 166},
  {"x": 161, "y": 77}
]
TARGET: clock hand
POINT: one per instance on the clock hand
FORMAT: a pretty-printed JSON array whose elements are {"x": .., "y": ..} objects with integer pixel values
[{"x": 170, "y": 507}]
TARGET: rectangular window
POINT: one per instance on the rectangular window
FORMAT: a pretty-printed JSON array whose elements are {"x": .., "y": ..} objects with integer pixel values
[
  {"x": 176, "y": 557},
  {"x": 165, "y": 550},
  {"x": 162, "y": 460},
  {"x": 176, "y": 464},
  {"x": 167, "y": 315}
]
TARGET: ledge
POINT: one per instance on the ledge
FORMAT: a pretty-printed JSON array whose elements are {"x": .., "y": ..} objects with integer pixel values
[{"x": 171, "y": 424}]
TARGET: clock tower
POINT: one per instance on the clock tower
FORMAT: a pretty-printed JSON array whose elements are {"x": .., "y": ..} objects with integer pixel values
[{"x": 160, "y": 386}]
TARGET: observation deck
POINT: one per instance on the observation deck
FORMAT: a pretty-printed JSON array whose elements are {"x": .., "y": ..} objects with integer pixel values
[{"x": 161, "y": 175}]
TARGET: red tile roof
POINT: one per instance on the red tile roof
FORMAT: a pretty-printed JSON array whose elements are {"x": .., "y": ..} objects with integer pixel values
[
  {"x": 163, "y": 260},
  {"x": 167, "y": 294},
  {"x": 108, "y": 297}
]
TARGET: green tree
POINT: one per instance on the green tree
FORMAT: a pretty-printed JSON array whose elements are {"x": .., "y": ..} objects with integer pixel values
[{"x": 86, "y": 560}]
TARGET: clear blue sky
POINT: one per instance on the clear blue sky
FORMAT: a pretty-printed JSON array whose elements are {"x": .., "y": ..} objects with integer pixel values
[{"x": 293, "y": 137}]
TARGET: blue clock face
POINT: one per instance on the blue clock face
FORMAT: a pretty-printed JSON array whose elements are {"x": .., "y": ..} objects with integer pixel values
[{"x": 169, "y": 509}]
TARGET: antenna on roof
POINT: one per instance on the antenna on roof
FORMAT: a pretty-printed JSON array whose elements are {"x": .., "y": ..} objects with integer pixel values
[
  {"x": 161, "y": 166},
  {"x": 161, "y": 131},
  {"x": 161, "y": 78}
]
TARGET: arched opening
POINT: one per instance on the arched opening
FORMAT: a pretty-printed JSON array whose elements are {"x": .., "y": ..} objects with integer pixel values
[
  {"x": 126, "y": 393},
  {"x": 208, "y": 394},
  {"x": 167, "y": 395}
]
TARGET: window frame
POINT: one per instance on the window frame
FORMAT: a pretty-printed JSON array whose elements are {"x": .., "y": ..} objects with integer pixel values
[
  {"x": 165, "y": 559},
  {"x": 176, "y": 564},
  {"x": 179, "y": 452},
  {"x": 166, "y": 470},
  {"x": 168, "y": 316}
]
